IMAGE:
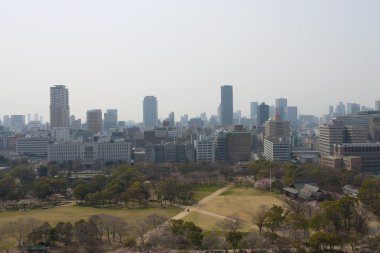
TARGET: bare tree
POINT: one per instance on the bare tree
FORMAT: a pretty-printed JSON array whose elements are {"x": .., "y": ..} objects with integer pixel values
[
  {"x": 20, "y": 229},
  {"x": 232, "y": 223},
  {"x": 119, "y": 227},
  {"x": 155, "y": 220},
  {"x": 98, "y": 220},
  {"x": 142, "y": 232},
  {"x": 260, "y": 217},
  {"x": 212, "y": 241}
]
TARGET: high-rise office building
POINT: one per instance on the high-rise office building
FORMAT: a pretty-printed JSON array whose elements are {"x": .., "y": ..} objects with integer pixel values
[
  {"x": 292, "y": 115},
  {"x": 276, "y": 141},
  {"x": 340, "y": 109},
  {"x": 281, "y": 105},
  {"x": 110, "y": 119},
  {"x": 150, "y": 112},
  {"x": 18, "y": 121},
  {"x": 353, "y": 108},
  {"x": 331, "y": 110},
  {"x": 377, "y": 105},
  {"x": 171, "y": 118},
  {"x": 226, "y": 105},
  {"x": 184, "y": 120},
  {"x": 59, "y": 106},
  {"x": 94, "y": 121},
  {"x": 262, "y": 114},
  {"x": 253, "y": 107}
]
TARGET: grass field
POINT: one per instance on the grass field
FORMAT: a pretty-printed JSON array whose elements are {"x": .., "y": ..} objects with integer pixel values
[
  {"x": 243, "y": 202},
  {"x": 203, "y": 191},
  {"x": 74, "y": 213},
  {"x": 206, "y": 222}
]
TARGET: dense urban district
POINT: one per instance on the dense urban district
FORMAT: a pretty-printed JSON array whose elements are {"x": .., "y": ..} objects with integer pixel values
[{"x": 274, "y": 182}]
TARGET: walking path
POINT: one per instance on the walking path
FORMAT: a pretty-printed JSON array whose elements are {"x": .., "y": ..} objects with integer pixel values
[{"x": 195, "y": 208}]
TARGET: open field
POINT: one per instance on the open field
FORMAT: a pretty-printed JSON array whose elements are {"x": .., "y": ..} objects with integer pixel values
[
  {"x": 203, "y": 191},
  {"x": 74, "y": 213},
  {"x": 243, "y": 202},
  {"x": 206, "y": 222}
]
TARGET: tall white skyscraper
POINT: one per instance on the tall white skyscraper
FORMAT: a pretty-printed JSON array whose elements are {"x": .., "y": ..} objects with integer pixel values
[
  {"x": 150, "y": 112},
  {"x": 59, "y": 106}
]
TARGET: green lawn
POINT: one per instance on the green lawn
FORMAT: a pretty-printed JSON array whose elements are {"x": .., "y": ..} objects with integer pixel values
[
  {"x": 75, "y": 213},
  {"x": 203, "y": 191}
]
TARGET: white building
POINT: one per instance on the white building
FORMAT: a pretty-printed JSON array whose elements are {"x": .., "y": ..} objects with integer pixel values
[
  {"x": 205, "y": 150},
  {"x": 90, "y": 152},
  {"x": 277, "y": 151},
  {"x": 32, "y": 146},
  {"x": 64, "y": 152}
]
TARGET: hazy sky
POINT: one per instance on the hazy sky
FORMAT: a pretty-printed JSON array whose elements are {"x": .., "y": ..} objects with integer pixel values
[{"x": 110, "y": 54}]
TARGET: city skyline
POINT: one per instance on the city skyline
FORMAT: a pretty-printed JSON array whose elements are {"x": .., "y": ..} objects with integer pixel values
[{"x": 113, "y": 55}]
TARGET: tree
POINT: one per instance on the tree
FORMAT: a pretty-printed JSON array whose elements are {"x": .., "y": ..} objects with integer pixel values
[
  {"x": 20, "y": 229},
  {"x": 64, "y": 232},
  {"x": 25, "y": 174},
  {"x": 42, "y": 171},
  {"x": 212, "y": 241},
  {"x": 166, "y": 190},
  {"x": 40, "y": 233},
  {"x": 81, "y": 190},
  {"x": 234, "y": 238},
  {"x": 320, "y": 241},
  {"x": 9, "y": 189},
  {"x": 155, "y": 220},
  {"x": 275, "y": 217},
  {"x": 87, "y": 235},
  {"x": 142, "y": 230},
  {"x": 232, "y": 224},
  {"x": 260, "y": 217},
  {"x": 188, "y": 234},
  {"x": 138, "y": 192}
]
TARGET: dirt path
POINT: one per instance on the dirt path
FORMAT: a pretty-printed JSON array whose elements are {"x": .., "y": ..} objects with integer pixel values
[
  {"x": 210, "y": 197},
  {"x": 195, "y": 208}
]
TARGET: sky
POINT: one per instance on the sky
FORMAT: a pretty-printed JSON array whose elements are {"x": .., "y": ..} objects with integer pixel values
[{"x": 110, "y": 54}]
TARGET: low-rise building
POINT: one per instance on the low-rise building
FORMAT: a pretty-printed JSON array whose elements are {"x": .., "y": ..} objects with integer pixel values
[
  {"x": 32, "y": 146},
  {"x": 90, "y": 152}
]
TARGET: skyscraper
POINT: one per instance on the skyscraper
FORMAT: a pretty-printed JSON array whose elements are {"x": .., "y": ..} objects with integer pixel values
[
  {"x": 353, "y": 108},
  {"x": 262, "y": 114},
  {"x": 150, "y": 112},
  {"x": 226, "y": 105},
  {"x": 254, "y": 106},
  {"x": 377, "y": 105},
  {"x": 292, "y": 115},
  {"x": 281, "y": 105},
  {"x": 94, "y": 121},
  {"x": 59, "y": 106},
  {"x": 110, "y": 119},
  {"x": 253, "y": 116}
]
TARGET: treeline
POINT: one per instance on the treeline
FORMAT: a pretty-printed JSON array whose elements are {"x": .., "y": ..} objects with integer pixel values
[
  {"x": 129, "y": 186},
  {"x": 96, "y": 234},
  {"x": 122, "y": 184},
  {"x": 296, "y": 227}
]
